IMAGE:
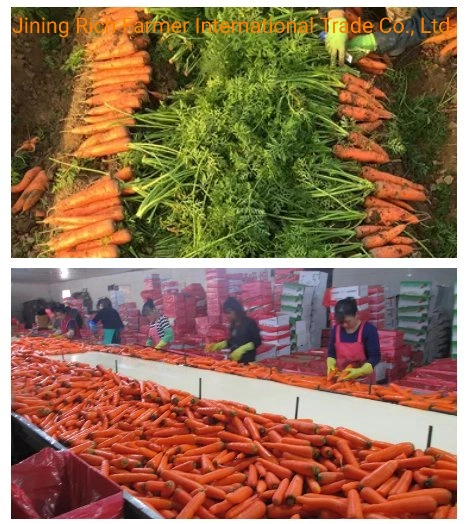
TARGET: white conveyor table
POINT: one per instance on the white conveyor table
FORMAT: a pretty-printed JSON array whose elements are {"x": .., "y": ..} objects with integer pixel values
[{"x": 377, "y": 420}]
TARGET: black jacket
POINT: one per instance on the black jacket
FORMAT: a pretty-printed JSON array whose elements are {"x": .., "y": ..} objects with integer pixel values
[
  {"x": 110, "y": 318},
  {"x": 243, "y": 333}
]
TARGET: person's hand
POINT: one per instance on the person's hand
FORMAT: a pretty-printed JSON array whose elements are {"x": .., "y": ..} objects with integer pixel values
[
  {"x": 238, "y": 353},
  {"x": 362, "y": 45},
  {"x": 337, "y": 37},
  {"x": 161, "y": 344},
  {"x": 331, "y": 365},
  {"x": 217, "y": 346},
  {"x": 149, "y": 341},
  {"x": 355, "y": 373}
]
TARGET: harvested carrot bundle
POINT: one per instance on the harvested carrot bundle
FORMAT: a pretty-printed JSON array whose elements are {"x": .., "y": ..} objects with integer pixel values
[{"x": 33, "y": 185}]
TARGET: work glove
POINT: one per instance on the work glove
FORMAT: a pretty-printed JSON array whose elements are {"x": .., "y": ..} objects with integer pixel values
[
  {"x": 149, "y": 341},
  {"x": 161, "y": 344},
  {"x": 217, "y": 346},
  {"x": 331, "y": 365},
  {"x": 362, "y": 45},
  {"x": 336, "y": 39},
  {"x": 355, "y": 373},
  {"x": 238, "y": 353}
]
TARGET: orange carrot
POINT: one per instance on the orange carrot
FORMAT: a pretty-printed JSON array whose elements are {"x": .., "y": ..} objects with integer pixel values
[
  {"x": 109, "y": 251},
  {"x": 420, "y": 504},
  {"x": 372, "y": 201},
  {"x": 92, "y": 129},
  {"x": 359, "y": 114},
  {"x": 393, "y": 251},
  {"x": 142, "y": 75},
  {"x": 352, "y": 99},
  {"x": 390, "y": 452},
  {"x": 106, "y": 136},
  {"x": 239, "y": 495},
  {"x": 359, "y": 155},
  {"x": 103, "y": 189},
  {"x": 294, "y": 490},
  {"x": 380, "y": 475},
  {"x": 371, "y": 496},
  {"x": 117, "y": 97},
  {"x": 388, "y": 190},
  {"x": 367, "y": 144},
  {"x": 71, "y": 239},
  {"x": 389, "y": 216},
  {"x": 440, "y": 495},
  {"x": 125, "y": 174},
  {"x": 193, "y": 506},
  {"x": 441, "y": 37},
  {"x": 109, "y": 148},
  {"x": 383, "y": 238},
  {"x": 372, "y": 64},
  {"x": 280, "y": 492},
  {"x": 26, "y": 180},
  {"x": 35, "y": 190},
  {"x": 354, "y": 505},
  {"x": 404, "y": 205},
  {"x": 369, "y": 127},
  {"x": 351, "y": 79},
  {"x": 363, "y": 231},
  {"x": 374, "y": 175},
  {"x": 71, "y": 222},
  {"x": 138, "y": 59},
  {"x": 256, "y": 510},
  {"x": 89, "y": 209}
]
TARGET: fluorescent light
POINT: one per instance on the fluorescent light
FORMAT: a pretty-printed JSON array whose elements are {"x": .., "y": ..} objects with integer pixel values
[{"x": 64, "y": 273}]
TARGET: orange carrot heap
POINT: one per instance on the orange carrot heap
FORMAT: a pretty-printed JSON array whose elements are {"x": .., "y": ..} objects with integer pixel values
[
  {"x": 447, "y": 40},
  {"x": 119, "y": 72}
]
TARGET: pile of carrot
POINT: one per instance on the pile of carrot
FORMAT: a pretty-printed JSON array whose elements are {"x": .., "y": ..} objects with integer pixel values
[
  {"x": 87, "y": 220},
  {"x": 390, "y": 207},
  {"x": 441, "y": 401},
  {"x": 31, "y": 188},
  {"x": 119, "y": 71},
  {"x": 194, "y": 458},
  {"x": 447, "y": 41}
]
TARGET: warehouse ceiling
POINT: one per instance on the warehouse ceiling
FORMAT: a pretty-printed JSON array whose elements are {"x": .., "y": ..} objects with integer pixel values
[{"x": 51, "y": 276}]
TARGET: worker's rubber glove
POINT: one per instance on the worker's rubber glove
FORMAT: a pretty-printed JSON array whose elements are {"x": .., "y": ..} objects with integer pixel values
[
  {"x": 238, "y": 353},
  {"x": 355, "y": 373},
  {"x": 362, "y": 45},
  {"x": 331, "y": 365},
  {"x": 149, "y": 341},
  {"x": 161, "y": 344},
  {"x": 337, "y": 37},
  {"x": 217, "y": 346}
]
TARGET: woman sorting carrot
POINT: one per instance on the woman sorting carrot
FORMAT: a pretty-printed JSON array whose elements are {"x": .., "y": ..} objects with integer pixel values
[
  {"x": 244, "y": 337},
  {"x": 413, "y": 27},
  {"x": 161, "y": 332},
  {"x": 70, "y": 321},
  {"x": 353, "y": 343},
  {"x": 110, "y": 319}
]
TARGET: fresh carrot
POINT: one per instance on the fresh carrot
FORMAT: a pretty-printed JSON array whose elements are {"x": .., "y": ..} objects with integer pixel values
[
  {"x": 71, "y": 239},
  {"x": 354, "y": 505},
  {"x": 106, "y": 136},
  {"x": 256, "y": 510},
  {"x": 360, "y": 114},
  {"x": 394, "y": 251},
  {"x": 391, "y": 452},
  {"x": 372, "y": 64},
  {"x": 369, "y": 127},
  {"x": 347, "y": 78},
  {"x": 35, "y": 190},
  {"x": 420, "y": 504},
  {"x": 403, "y": 483},
  {"x": 404, "y": 205},
  {"x": 118, "y": 96},
  {"x": 440, "y": 454},
  {"x": 192, "y": 507},
  {"x": 359, "y": 140},
  {"x": 359, "y": 155},
  {"x": 349, "y": 98},
  {"x": 387, "y": 190},
  {"x": 389, "y": 216},
  {"x": 363, "y": 231},
  {"x": 26, "y": 180},
  {"x": 374, "y": 175},
  {"x": 294, "y": 490},
  {"x": 398, "y": 241},
  {"x": 106, "y": 125},
  {"x": 109, "y": 148},
  {"x": 138, "y": 59},
  {"x": 102, "y": 189},
  {"x": 441, "y": 37},
  {"x": 380, "y": 475},
  {"x": 240, "y": 495},
  {"x": 371, "y": 496},
  {"x": 440, "y": 495},
  {"x": 73, "y": 222},
  {"x": 142, "y": 75},
  {"x": 452, "y": 514},
  {"x": 383, "y": 238},
  {"x": 280, "y": 492}
]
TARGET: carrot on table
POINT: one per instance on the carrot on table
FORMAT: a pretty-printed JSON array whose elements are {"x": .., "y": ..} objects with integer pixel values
[
  {"x": 420, "y": 504},
  {"x": 391, "y": 452},
  {"x": 192, "y": 507},
  {"x": 354, "y": 505},
  {"x": 441, "y": 495},
  {"x": 377, "y": 477}
]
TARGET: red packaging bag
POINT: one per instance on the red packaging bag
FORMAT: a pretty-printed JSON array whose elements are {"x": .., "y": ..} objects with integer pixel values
[{"x": 58, "y": 484}]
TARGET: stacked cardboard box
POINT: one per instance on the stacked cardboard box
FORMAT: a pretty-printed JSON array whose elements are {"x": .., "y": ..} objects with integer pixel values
[
  {"x": 152, "y": 290},
  {"x": 276, "y": 337},
  {"x": 377, "y": 306},
  {"x": 281, "y": 276},
  {"x": 180, "y": 309},
  {"x": 256, "y": 296},
  {"x": 130, "y": 315},
  {"x": 440, "y": 327},
  {"x": 413, "y": 315},
  {"x": 395, "y": 356},
  {"x": 199, "y": 294},
  {"x": 440, "y": 375},
  {"x": 216, "y": 294}
]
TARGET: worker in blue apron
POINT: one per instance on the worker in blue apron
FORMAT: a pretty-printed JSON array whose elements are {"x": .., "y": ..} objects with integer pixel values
[
  {"x": 110, "y": 320},
  {"x": 353, "y": 343},
  {"x": 244, "y": 335}
]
